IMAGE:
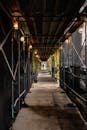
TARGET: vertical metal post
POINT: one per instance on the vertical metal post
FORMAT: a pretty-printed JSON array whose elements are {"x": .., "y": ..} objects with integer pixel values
[
  {"x": 28, "y": 66},
  {"x": 19, "y": 68},
  {"x": 63, "y": 65},
  {"x": 73, "y": 65},
  {"x": 60, "y": 77},
  {"x": 86, "y": 51},
  {"x": 12, "y": 82},
  {"x": 68, "y": 55},
  {"x": 24, "y": 65}
]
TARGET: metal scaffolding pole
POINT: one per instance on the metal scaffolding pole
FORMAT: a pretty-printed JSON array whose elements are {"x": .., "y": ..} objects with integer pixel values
[
  {"x": 86, "y": 50},
  {"x": 19, "y": 68},
  {"x": 12, "y": 81},
  {"x": 24, "y": 65}
]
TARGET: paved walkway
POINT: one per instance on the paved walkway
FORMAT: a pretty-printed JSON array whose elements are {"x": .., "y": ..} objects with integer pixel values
[{"x": 48, "y": 109}]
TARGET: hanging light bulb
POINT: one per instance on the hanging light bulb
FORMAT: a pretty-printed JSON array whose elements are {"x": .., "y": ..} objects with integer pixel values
[
  {"x": 61, "y": 48},
  {"x": 30, "y": 46},
  {"x": 22, "y": 39},
  {"x": 80, "y": 30},
  {"x": 15, "y": 25},
  {"x": 35, "y": 52},
  {"x": 37, "y": 56},
  {"x": 67, "y": 41}
]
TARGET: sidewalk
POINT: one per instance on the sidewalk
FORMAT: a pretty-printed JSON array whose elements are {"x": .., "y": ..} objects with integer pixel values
[{"x": 48, "y": 109}]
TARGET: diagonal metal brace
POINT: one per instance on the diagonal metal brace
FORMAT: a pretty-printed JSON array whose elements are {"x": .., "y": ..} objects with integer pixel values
[
  {"x": 7, "y": 63},
  {"x": 78, "y": 55},
  {"x": 4, "y": 41}
]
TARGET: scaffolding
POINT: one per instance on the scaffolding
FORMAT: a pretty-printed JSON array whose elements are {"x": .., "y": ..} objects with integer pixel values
[{"x": 73, "y": 68}]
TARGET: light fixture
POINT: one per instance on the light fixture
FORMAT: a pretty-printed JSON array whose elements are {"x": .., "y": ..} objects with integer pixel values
[
  {"x": 37, "y": 56},
  {"x": 15, "y": 24},
  {"x": 67, "y": 41},
  {"x": 30, "y": 46},
  {"x": 35, "y": 52},
  {"x": 61, "y": 48},
  {"x": 22, "y": 39},
  {"x": 80, "y": 30}
]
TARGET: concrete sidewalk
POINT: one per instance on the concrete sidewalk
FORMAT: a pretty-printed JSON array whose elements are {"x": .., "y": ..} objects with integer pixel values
[{"x": 48, "y": 109}]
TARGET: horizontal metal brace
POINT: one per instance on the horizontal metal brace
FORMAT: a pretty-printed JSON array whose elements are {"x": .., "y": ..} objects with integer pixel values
[
  {"x": 80, "y": 97},
  {"x": 46, "y": 35},
  {"x": 47, "y": 47},
  {"x": 38, "y": 15}
]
